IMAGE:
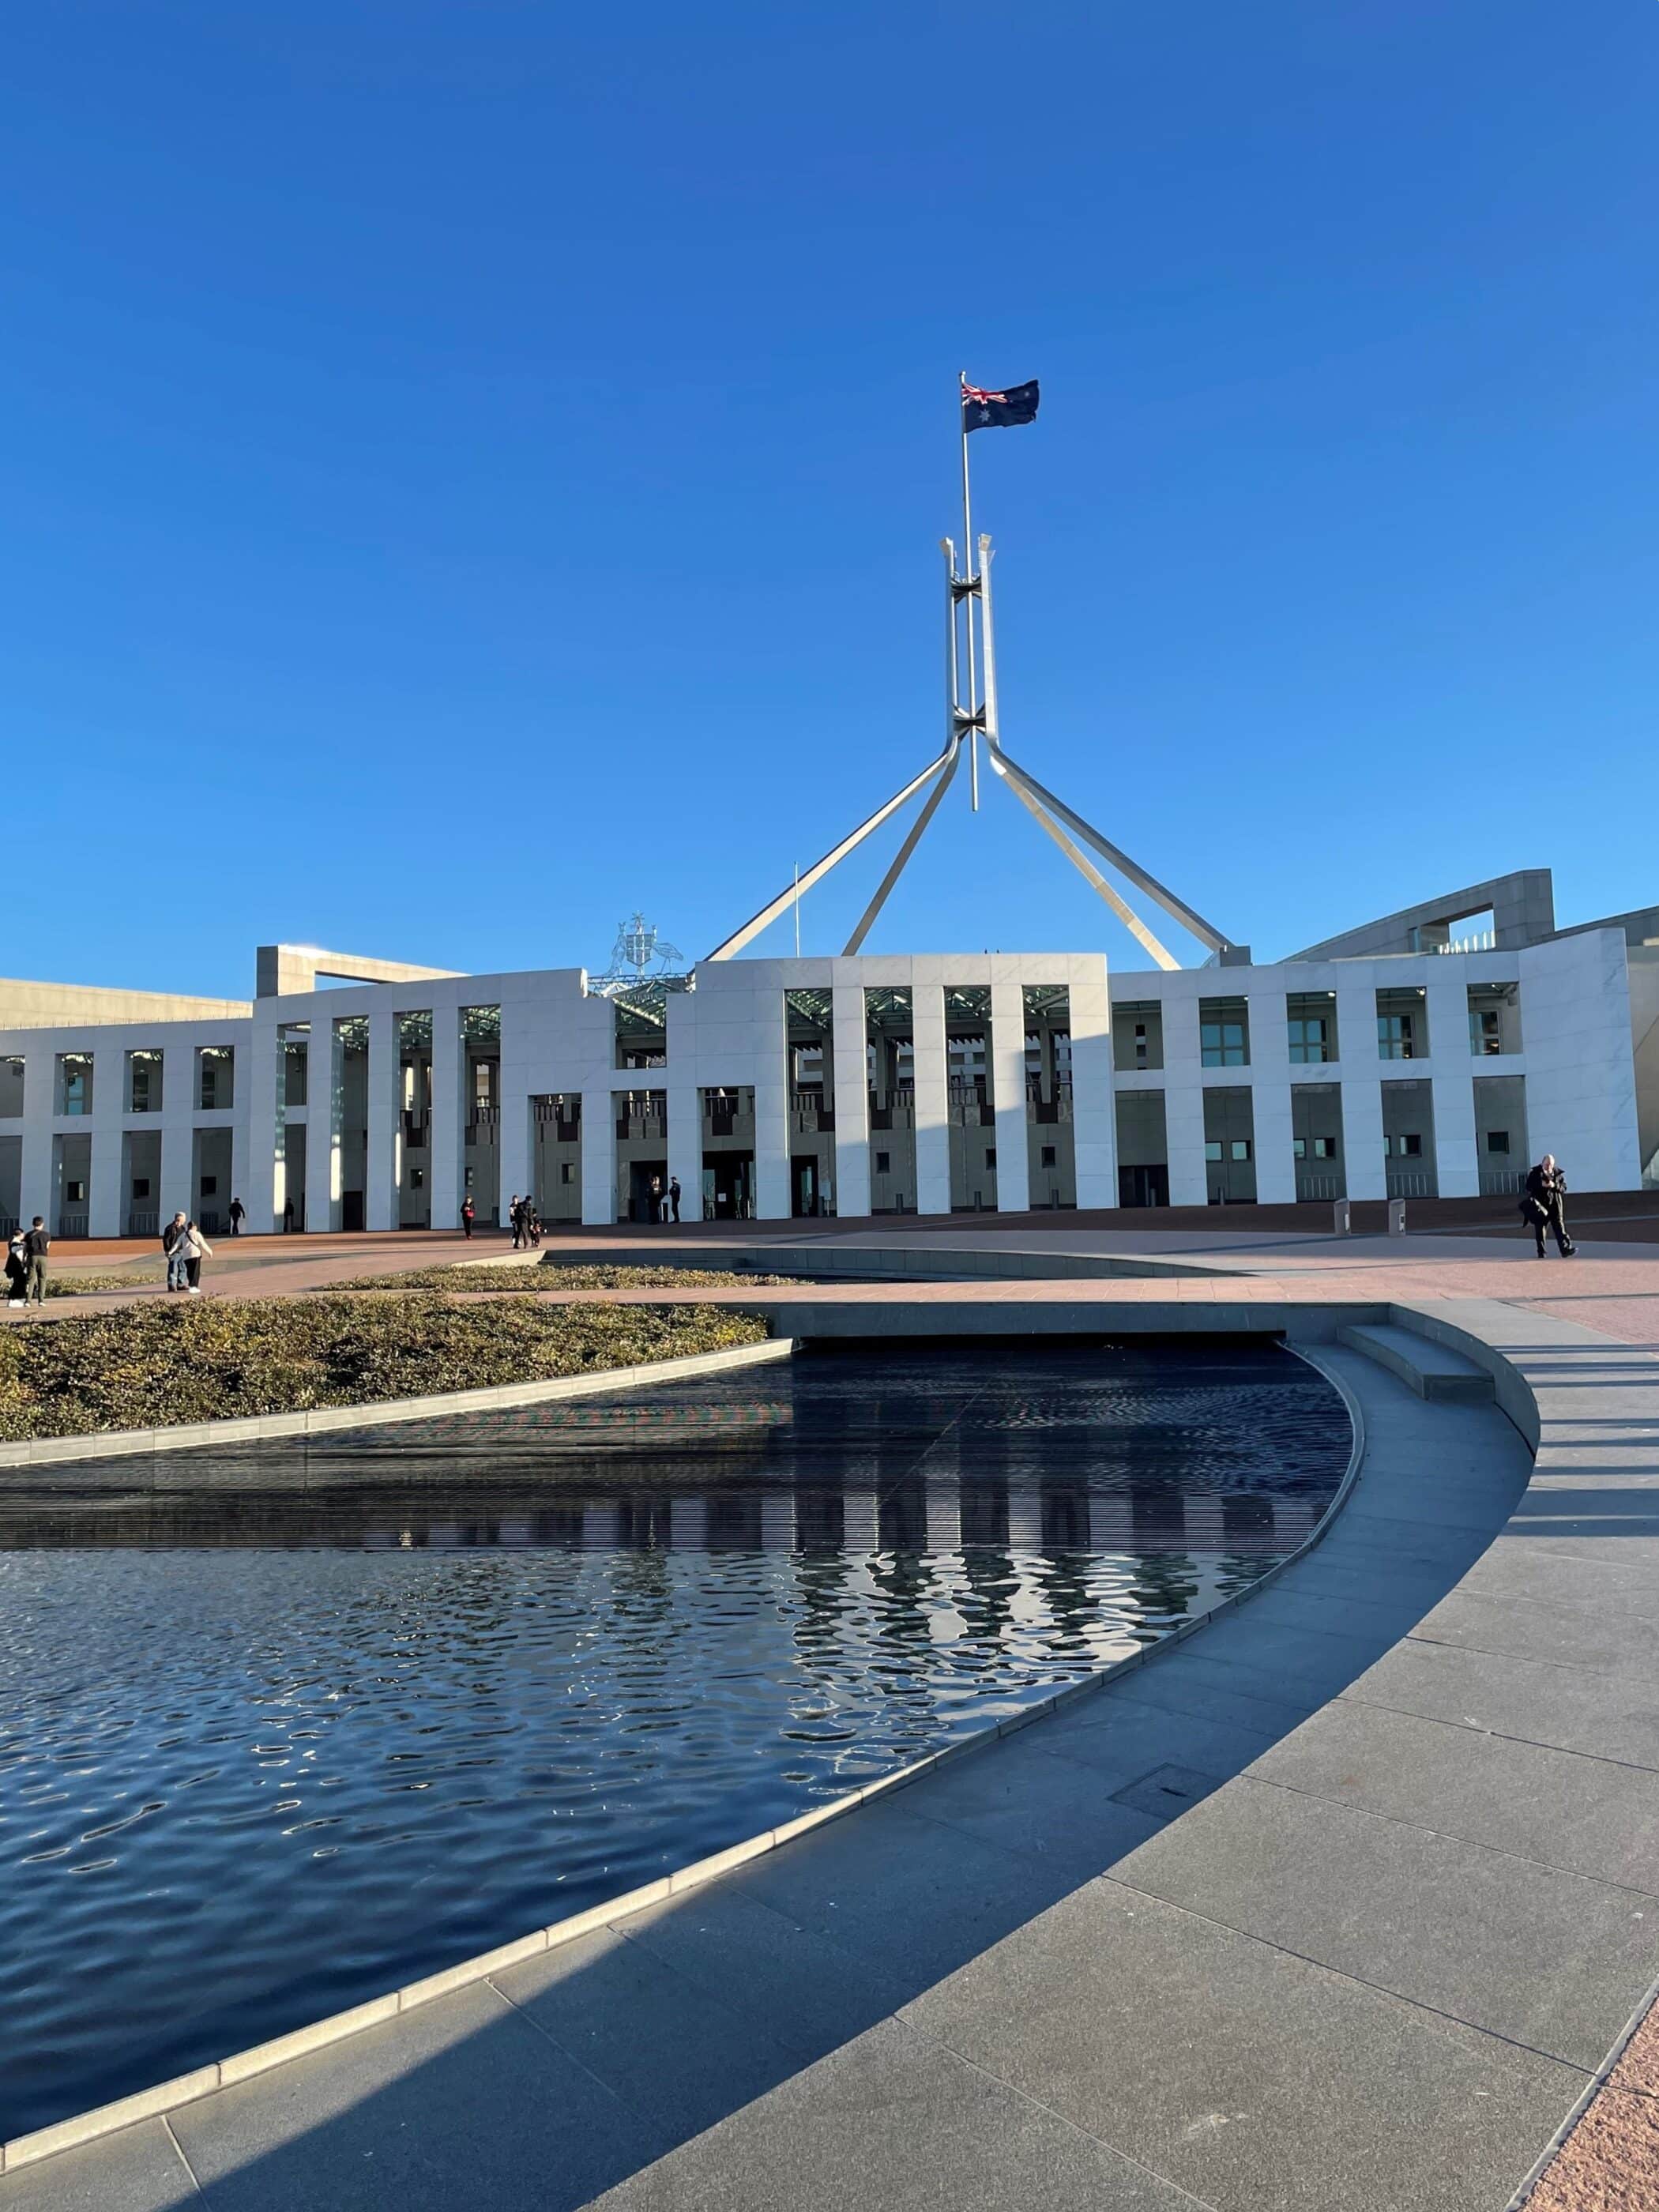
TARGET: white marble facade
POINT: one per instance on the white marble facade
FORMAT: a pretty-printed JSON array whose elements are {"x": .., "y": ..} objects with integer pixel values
[{"x": 728, "y": 1032}]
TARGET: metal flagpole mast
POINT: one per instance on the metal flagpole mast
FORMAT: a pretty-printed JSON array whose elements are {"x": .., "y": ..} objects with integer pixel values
[{"x": 968, "y": 596}]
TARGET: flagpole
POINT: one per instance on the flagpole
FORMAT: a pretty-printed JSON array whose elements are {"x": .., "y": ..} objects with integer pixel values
[{"x": 968, "y": 603}]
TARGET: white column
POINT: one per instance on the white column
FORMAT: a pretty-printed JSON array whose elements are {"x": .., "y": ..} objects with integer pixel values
[
  {"x": 600, "y": 1152},
  {"x": 933, "y": 1105},
  {"x": 1270, "y": 1096},
  {"x": 852, "y": 1101},
  {"x": 34, "y": 1191},
  {"x": 1361, "y": 1076},
  {"x": 448, "y": 1130},
  {"x": 685, "y": 1146},
  {"x": 771, "y": 1107},
  {"x": 178, "y": 1146},
  {"x": 1008, "y": 1098},
  {"x": 105, "y": 1213},
  {"x": 322, "y": 1082},
  {"x": 1183, "y": 1102},
  {"x": 1094, "y": 1101},
  {"x": 1457, "y": 1165},
  {"x": 255, "y": 1166},
  {"x": 381, "y": 1114},
  {"x": 513, "y": 1132}
]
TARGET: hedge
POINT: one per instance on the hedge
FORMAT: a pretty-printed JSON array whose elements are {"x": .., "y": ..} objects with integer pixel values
[
  {"x": 158, "y": 1364},
  {"x": 550, "y": 1275}
]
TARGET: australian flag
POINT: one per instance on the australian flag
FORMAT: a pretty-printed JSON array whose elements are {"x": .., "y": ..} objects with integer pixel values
[{"x": 997, "y": 410}]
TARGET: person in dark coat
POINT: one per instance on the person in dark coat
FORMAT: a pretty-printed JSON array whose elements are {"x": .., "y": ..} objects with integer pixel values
[
  {"x": 674, "y": 1196},
  {"x": 468, "y": 1212},
  {"x": 36, "y": 1245},
  {"x": 238, "y": 1215},
  {"x": 1546, "y": 1205}
]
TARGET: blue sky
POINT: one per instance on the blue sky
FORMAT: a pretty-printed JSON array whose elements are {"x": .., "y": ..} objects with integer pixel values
[{"x": 470, "y": 470}]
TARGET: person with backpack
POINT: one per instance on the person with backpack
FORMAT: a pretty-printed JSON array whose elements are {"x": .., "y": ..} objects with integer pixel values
[
  {"x": 1545, "y": 1206},
  {"x": 17, "y": 1268},
  {"x": 172, "y": 1244},
  {"x": 36, "y": 1245}
]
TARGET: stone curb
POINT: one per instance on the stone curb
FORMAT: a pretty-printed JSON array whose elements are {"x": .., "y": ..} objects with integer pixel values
[
  {"x": 242, "y": 2066},
  {"x": 321, "y": 1420}
]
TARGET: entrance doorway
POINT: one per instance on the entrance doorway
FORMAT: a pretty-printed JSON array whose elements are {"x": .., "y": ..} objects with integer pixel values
[
  {"x": 804, "y": 1187},
  {"x": 351, "y": 1209},
  {"x": 641, "y": 1206},
  {"x": 728, "y": 1180},
  {"x": 1144, "y": 1185}
]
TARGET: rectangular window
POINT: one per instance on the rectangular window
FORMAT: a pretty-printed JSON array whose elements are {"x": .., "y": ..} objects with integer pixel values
[
  {"x": 1402, "y": 1025},
  {"x": 140, "y": 1185},
  {"x": 990, "y": 1156},
  {"x": 1048, "y": 1156},
  {"x": 1485, "y": 1031},
  {"x": 1299, "y": 1148},
  {"x": 1212, "y": 1148},
  {"x": 1395, "y": 1037},
  {"x": 74, "y": 1192},
  {"x": 883, "y": 1165},
  {"x": 209, "y": 1186},
  {"x": 1324, "y": 1148},
  {"x": 567, "y": 1173},
  {"x": 74, "y": 1083},
  {"x": 1411, "y": 1146},
  {"x": 1223, "y": 1035},
  {"x": 417, "y": 1178},
  {"x": 1241, "y": 1148},
  {"x": 213, "y": 1078},
  {"x": 1498, "y": 1140},
  {"x": 1310, "y": 1018}
]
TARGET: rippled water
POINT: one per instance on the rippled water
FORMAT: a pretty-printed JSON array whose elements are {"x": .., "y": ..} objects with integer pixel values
[{"x": 338, "y": 1718}]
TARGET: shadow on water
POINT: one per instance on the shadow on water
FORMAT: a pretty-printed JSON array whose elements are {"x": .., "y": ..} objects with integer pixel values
[{"x": 328, "y": 1719}]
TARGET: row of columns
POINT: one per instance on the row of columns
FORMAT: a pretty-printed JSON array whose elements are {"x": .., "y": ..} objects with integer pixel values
[{"x": 1268, "y": 1076}]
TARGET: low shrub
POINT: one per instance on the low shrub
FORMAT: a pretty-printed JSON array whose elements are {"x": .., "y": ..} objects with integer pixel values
[
  {"x": 551, "y": 1275},
  {"x": 156, "y": 1364},
  {"x": 90, "y": 1285}
]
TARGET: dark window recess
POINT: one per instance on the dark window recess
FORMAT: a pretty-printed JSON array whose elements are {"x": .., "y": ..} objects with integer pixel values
[
  {"x": 140, "y": 1185},
  {"x": 567, "y": 1173},
  {"x": 209, "y": 1186},
  {"x": 1048, "y": 1156},
  {"x": 990, "y": 1156},
  {"x": 1411, "y": 1146},
  {"x": 882, "y": 1164},
  {"x": 76, "y": 1193},
  {"x": 1498, "y": 1140}
]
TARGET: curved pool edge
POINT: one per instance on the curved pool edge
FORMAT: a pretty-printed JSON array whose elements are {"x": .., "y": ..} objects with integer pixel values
[
  {"x": 384, "y": 1412},
  {"x": 191, "y": 2086}
]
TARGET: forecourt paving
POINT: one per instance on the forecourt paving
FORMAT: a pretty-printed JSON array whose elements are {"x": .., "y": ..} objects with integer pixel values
[{"x": 1343, "y": 1901}]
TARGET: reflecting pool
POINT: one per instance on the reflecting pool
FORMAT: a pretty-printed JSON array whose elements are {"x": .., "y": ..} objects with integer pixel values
[{"x": 336, "y": 1715}]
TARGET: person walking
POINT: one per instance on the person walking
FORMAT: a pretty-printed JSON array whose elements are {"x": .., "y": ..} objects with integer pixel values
[
  {"x": 656, "y": 1200},
  {"x": 287, "y": 1217},
  {"x": 532, "y": 1224},
  {"x": 1545, "y": 1206},
  {"x": 17, "y": 1268},
  {"x": 467, "y": 1219},
  {"x": 36, "y": 1245},
  {"x": 172, "y": 1245},
  {"x": 515, "y": 1216},
  {"x": 674, "y": 1196},
  {"x": 238, "y": 1215},
  {"x": 195, "y": 1248}
]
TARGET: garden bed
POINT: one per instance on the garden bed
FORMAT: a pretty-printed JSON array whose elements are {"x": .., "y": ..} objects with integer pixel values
[
  {"x": 155, "y": 1366},
  {"x": 549, "y": 1274}
]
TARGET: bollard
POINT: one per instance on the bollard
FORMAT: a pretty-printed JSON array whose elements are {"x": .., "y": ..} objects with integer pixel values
[
  {"x": 1396, "y": 1217},
  {"x": 1341, "y": 1223}
]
